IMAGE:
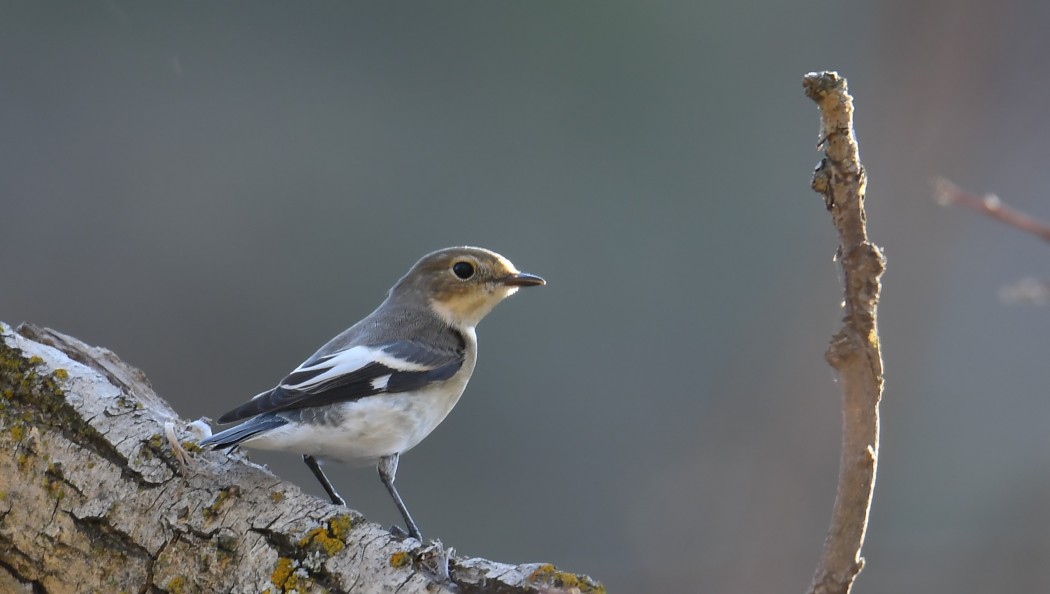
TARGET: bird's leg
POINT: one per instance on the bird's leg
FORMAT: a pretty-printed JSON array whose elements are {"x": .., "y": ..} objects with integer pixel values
[
  {"x": 387, "y": 469},
  {"x": 328, "y": 488}
]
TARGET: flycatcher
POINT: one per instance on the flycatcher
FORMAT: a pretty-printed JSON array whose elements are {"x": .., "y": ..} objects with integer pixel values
[{"x": 376, "y": 390}]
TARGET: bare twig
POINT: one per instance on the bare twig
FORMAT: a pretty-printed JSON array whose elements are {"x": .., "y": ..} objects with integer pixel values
[
  {"x": 946, "y": 193},
  {"x": 854, "y": 350}
]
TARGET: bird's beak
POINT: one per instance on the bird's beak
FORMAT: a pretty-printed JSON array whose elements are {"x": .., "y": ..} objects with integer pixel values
[{"x": 522, "y": 279}]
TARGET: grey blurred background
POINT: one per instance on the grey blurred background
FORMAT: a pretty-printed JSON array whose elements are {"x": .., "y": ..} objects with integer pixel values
[{"x": 213, "y": 190}]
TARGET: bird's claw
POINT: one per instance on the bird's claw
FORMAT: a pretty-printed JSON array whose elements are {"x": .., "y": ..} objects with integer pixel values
[{"x": 399, "y": 532}]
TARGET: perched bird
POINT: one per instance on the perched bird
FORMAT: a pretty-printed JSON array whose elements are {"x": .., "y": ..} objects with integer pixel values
[{"x": 376, "y": 390}]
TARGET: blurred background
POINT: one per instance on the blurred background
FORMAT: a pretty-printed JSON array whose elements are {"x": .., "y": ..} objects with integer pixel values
[{"x": 213, "y": 190}]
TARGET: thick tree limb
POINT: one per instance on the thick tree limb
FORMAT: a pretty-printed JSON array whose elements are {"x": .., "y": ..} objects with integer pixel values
[
  {"x": 854, "y": 350},
  {"x": 102, "y": 489}
]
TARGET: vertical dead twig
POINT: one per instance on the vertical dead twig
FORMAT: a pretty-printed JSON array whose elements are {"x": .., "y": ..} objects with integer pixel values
[{"x": 854, "y": 350}]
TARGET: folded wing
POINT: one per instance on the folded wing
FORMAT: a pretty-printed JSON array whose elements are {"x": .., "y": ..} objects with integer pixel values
[{"x": 353, "y": 373}]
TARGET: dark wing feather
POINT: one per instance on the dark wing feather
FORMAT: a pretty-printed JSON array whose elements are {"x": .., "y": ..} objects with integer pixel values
[{"x": 355, "y": 373}]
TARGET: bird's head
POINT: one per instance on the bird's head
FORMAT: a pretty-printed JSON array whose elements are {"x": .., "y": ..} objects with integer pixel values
[{"x": 463, "y": 284}]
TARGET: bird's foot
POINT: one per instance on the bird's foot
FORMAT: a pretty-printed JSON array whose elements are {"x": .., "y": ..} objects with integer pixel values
[
  {"x": 437, "y": 560},
  {"x": 399, "y": 532}
]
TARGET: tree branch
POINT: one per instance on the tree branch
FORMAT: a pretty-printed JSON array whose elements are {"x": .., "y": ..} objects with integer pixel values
[
  {"x": 102, "y": 488},
  {"x": 854, "y": 350},
  {"x": 946, "y": 193}
]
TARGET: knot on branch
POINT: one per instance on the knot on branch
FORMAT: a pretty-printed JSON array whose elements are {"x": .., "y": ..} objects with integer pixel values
[
  {"x": 839, "y": 174},
  {"x": 838, "y": 583},
  {"x": 864, "y": 265}
]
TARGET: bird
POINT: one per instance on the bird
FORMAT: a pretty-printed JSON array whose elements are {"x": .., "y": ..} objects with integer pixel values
[{"x": 377, "y": 389}]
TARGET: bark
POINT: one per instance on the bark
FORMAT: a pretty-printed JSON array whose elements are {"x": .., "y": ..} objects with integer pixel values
[
  {"x": 854, "y": 350},
  {"x": 102, "y": 489}
]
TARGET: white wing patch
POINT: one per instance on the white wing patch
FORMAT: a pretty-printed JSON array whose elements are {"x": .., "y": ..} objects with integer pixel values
[
  {"x": 349, "y": 361},
  {"x": 379, "y": 384}
]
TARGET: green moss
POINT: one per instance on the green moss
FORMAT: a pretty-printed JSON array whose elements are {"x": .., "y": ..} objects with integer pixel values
[
  {"x": 191, "y": 446},
  {"x": 18, "y": 432},
  {"x": 156, "y": 441},
  {"x": 33, "y": 398},
  {"x": 213, "y": 510},
  {"x": 548, "y": 575}
]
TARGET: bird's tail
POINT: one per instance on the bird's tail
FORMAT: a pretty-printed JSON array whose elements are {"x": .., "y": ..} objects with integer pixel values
[{"x": 246, "y": 430}]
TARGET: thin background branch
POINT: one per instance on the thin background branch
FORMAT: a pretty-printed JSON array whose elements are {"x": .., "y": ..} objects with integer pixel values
[
  {"x": 854, "y": 350},
  {"x": 1027, "y": 290},
  {"x": 946, "y": 193}
]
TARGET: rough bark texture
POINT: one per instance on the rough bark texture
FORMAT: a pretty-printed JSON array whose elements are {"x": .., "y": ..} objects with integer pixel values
[
  {"x": 854, "y": 350},
  {"x": 103, "y": 490}
]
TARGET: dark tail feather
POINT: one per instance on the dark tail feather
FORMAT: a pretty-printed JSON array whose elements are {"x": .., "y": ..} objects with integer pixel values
[{"x": 235, "y": 435}]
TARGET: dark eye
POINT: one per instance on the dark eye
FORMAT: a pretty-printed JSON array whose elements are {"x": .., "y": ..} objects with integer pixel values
[{"x": 463, "y": 270}]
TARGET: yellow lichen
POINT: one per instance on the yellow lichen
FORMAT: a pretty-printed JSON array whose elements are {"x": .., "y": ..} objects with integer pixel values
[
  {"x": 319, "y": 538},
  {"x": 330, "y": 538},
  {"x": 17, "y": 432},
  {"x": 399, "y": 559},
  {"x": 176, "y": 585},
  {"x": 340, "y": 526},
  {"x": 35, "y": 360},
  {"x": 283, "y": 570},
  {"x": 61, "y": 374},
  {"x": 277, "y": 496},
  {"x": 549, "y": 575}
]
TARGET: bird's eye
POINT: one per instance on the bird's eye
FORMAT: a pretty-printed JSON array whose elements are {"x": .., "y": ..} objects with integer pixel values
[{"x": 463, "y": 270}]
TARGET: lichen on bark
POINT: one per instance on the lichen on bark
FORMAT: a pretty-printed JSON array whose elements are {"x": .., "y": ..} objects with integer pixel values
[{"x": 94, "y": 499}]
